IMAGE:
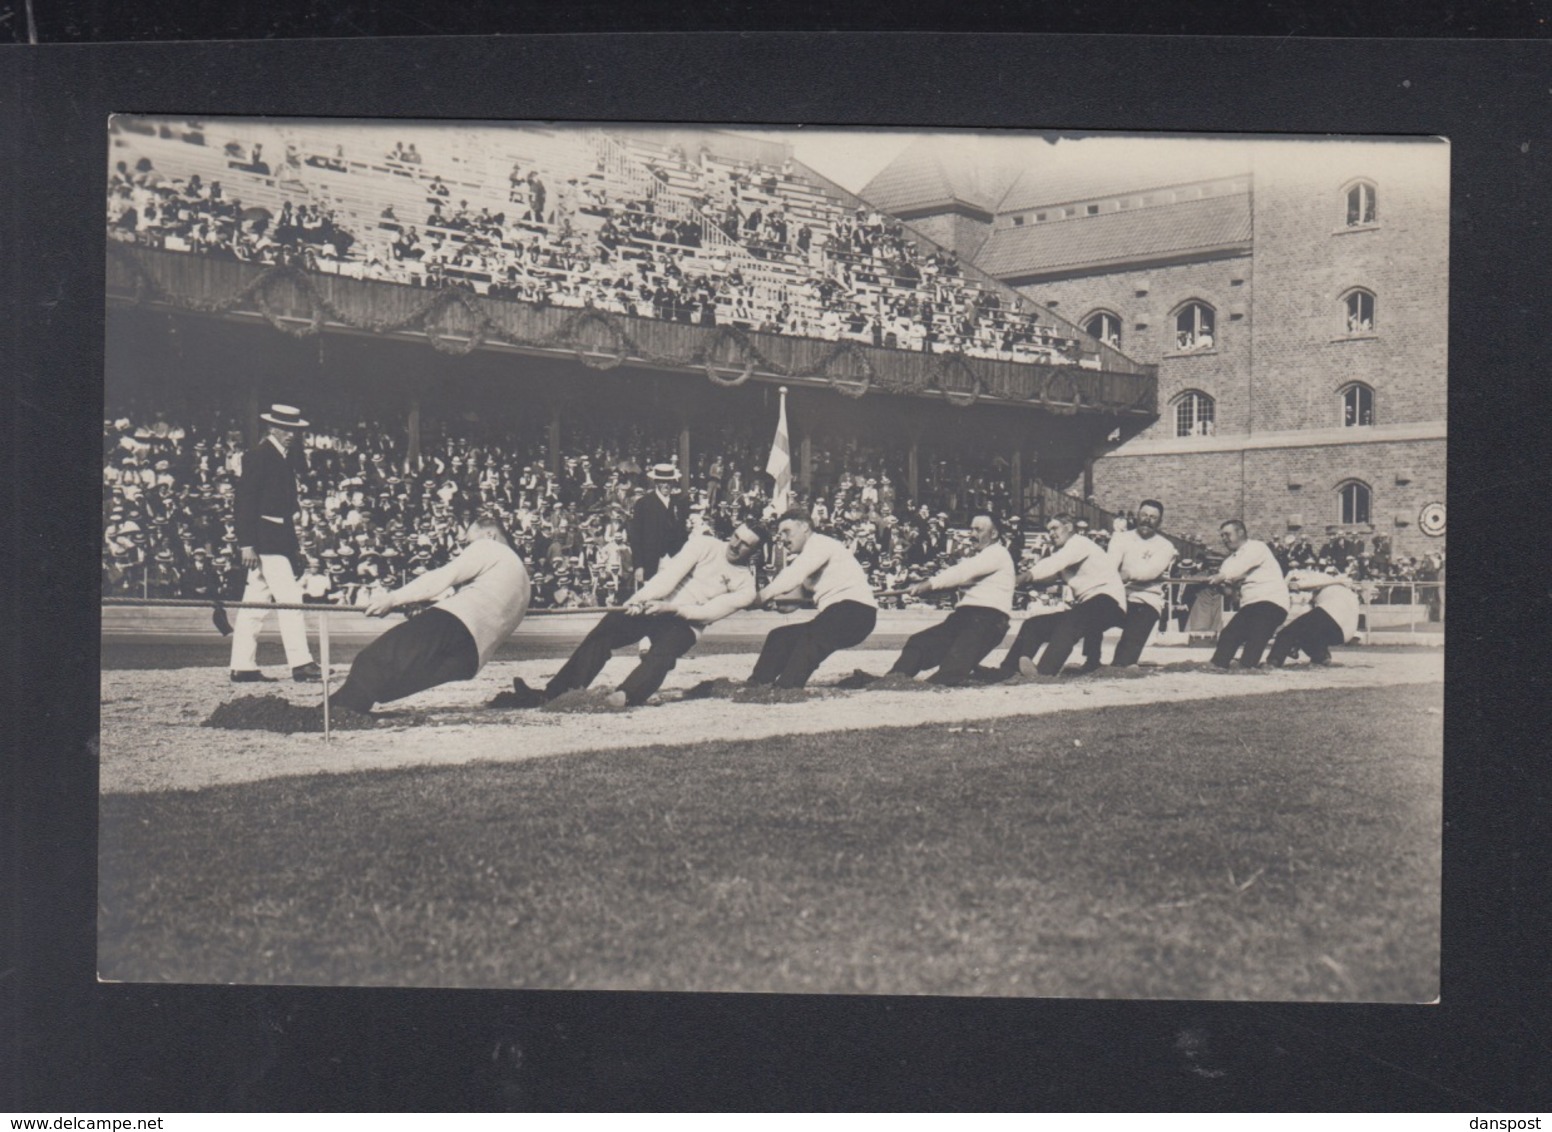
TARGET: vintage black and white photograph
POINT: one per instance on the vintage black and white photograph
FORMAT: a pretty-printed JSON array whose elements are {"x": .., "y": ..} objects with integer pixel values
[{"x": 593, "y": 555}]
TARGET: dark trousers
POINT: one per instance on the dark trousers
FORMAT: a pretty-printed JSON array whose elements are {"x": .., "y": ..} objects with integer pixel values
[
  {"x": 791, "y": 653},
  {"x": 1251, "y": 628},
  {"x": 1059, "y": 633},
  {"x": 1033, "y": 635},
  {"x": 1092, "y": 616},
  {"x": 1314, "y": 634},
  {"x": 1135, "y": 631},
  {"x": 954, "y": 646},
  {"x": 671, "y": 638},
  {"x": 430, "y": 648}
]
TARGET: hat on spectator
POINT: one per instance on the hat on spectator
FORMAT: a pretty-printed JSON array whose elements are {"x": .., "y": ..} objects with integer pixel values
[
  {"x": 663, "y": 473},
  {"x": 284, "y": 416}
]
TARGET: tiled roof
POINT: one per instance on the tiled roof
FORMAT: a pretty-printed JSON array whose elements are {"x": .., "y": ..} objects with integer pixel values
[
  {"x": 1114, "y": 170},
  {"x": 936, "y": 170},
  {"x": 1114, "y": 237}
]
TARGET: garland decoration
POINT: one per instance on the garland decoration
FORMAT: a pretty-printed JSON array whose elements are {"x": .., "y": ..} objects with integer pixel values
[
  {"x": 706, "y": 356},
  {"x": 1057, "y": 388},
  {"x": 439, "y": 340},
  {"x": 950, "y": 365},
  {"x": 621, "y": 345}
]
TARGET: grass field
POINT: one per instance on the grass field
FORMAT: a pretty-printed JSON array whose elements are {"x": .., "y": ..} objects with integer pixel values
[{"x": 1275, "y": 846}]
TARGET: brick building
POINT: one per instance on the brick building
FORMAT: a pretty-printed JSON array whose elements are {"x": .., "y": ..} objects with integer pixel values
[{"x": 1293, "y": 295}]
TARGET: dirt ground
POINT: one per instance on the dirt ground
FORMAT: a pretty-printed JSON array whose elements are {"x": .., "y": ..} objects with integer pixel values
[{"x": 152, "y": 738}]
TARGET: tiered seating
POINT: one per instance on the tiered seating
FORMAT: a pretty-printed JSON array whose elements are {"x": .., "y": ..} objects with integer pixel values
[
  {"x": 570, "y": 217},
  {"x": 878, "y": 286}
]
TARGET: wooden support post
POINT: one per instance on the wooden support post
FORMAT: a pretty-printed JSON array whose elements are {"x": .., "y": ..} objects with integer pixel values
[
  {"x": 806, "y": 463},
  {"x": 1088, "y": 478},
  {"x": 251, "y": 423},
  {"x": 684, "y": 456},
  {"x": 323, "y": 662},
  {"x": 412, "y": 436},
  {"x": 555, "y": 439},
  {"x": 913, "y": 471},
  {"x": 1016, "y": 478}
]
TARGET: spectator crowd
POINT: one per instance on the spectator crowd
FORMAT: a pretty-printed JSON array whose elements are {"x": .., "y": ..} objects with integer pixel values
[
  {"x": 707, "y": 242},
  {"x": 371, "y": 522}
]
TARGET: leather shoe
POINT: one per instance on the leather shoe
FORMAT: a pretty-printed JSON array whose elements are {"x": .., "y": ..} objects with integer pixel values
[
  {"x": 250, "y": 676},
  {"x": 523, "y": 695},
  {"x": 308, "y": 673}
]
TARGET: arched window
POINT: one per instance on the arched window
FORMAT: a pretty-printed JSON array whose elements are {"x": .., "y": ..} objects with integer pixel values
[
  {"x": 1355, "y": 502},
  {"x": 1362, "y": 205},
  {"x": 1358, "y": 311},
  {"x": 1194, "y": 414},
  {"x": 1105, "y": 326},
  {"x": 1357, "y": 406},
  {"x": 1195, "y": 327}
]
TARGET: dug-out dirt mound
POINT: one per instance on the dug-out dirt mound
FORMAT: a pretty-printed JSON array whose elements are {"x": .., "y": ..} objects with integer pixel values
[{"x": 276, "y": 713}]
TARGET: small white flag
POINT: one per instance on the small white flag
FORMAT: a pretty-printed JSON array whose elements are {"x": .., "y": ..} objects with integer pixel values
[{"x": 779, "y": 466}]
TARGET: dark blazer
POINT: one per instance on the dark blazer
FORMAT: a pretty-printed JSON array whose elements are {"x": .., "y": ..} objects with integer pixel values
[
  {"x": 656, "y": 531},
  {"x": 267, "y": 487}
]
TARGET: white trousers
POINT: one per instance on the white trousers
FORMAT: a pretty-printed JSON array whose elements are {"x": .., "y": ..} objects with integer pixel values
[{"x": 271, "y": 581}]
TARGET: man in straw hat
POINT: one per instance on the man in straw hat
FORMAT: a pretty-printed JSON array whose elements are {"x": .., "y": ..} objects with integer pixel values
[
  {"x": 269, "y": 551},
  {"x": 657, "y": 523}
]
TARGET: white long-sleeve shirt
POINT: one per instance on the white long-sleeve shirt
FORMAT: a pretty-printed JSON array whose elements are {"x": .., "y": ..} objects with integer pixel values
[
  {"x": 828, "y": 570},
  {"x": 989, "y": 574},
  {"x": 1260, "y": 578},
  {"x": 492, "y": 592},
  {"x": 701, "y": 582},
  {"x": 1142, "y": 564},
  {"x": 1085, "y": 567},
  {"x": 1339, "y": 602}
]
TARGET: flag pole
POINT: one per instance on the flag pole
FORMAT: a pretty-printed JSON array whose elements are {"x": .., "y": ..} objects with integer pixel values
[{"x": 779, "y": 466}]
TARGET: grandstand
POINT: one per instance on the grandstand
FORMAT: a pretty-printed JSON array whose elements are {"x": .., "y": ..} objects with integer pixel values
[
  {"x": 578, "y": 217},
  {"x": 614, "y": 248}
]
